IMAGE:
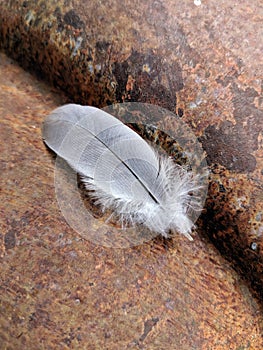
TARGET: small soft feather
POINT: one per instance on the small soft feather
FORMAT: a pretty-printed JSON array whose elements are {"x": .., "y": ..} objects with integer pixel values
[{"x": 123, "y": 171}]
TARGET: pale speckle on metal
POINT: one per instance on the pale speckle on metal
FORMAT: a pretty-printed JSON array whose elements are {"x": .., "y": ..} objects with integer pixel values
[{"x": 197, "y": 2}]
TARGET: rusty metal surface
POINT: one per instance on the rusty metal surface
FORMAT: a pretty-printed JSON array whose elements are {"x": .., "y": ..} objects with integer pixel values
[
  {"x": 202, "y": 62},
  {"x": 59, "y": 291}
]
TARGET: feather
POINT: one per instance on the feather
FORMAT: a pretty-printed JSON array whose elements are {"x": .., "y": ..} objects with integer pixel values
[{"x": 123, "y": 171}]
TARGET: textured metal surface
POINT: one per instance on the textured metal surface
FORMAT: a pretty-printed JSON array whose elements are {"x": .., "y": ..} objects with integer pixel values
[
  {"x": 59, "y": 291},
  {"x": 202, "y": 62}
]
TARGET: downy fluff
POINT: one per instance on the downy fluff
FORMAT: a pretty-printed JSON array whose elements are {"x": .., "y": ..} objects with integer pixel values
[{"x": 123, "y": 171}]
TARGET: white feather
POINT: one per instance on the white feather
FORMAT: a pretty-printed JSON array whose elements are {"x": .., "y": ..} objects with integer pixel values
[{"x": 123, "y": 171}]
